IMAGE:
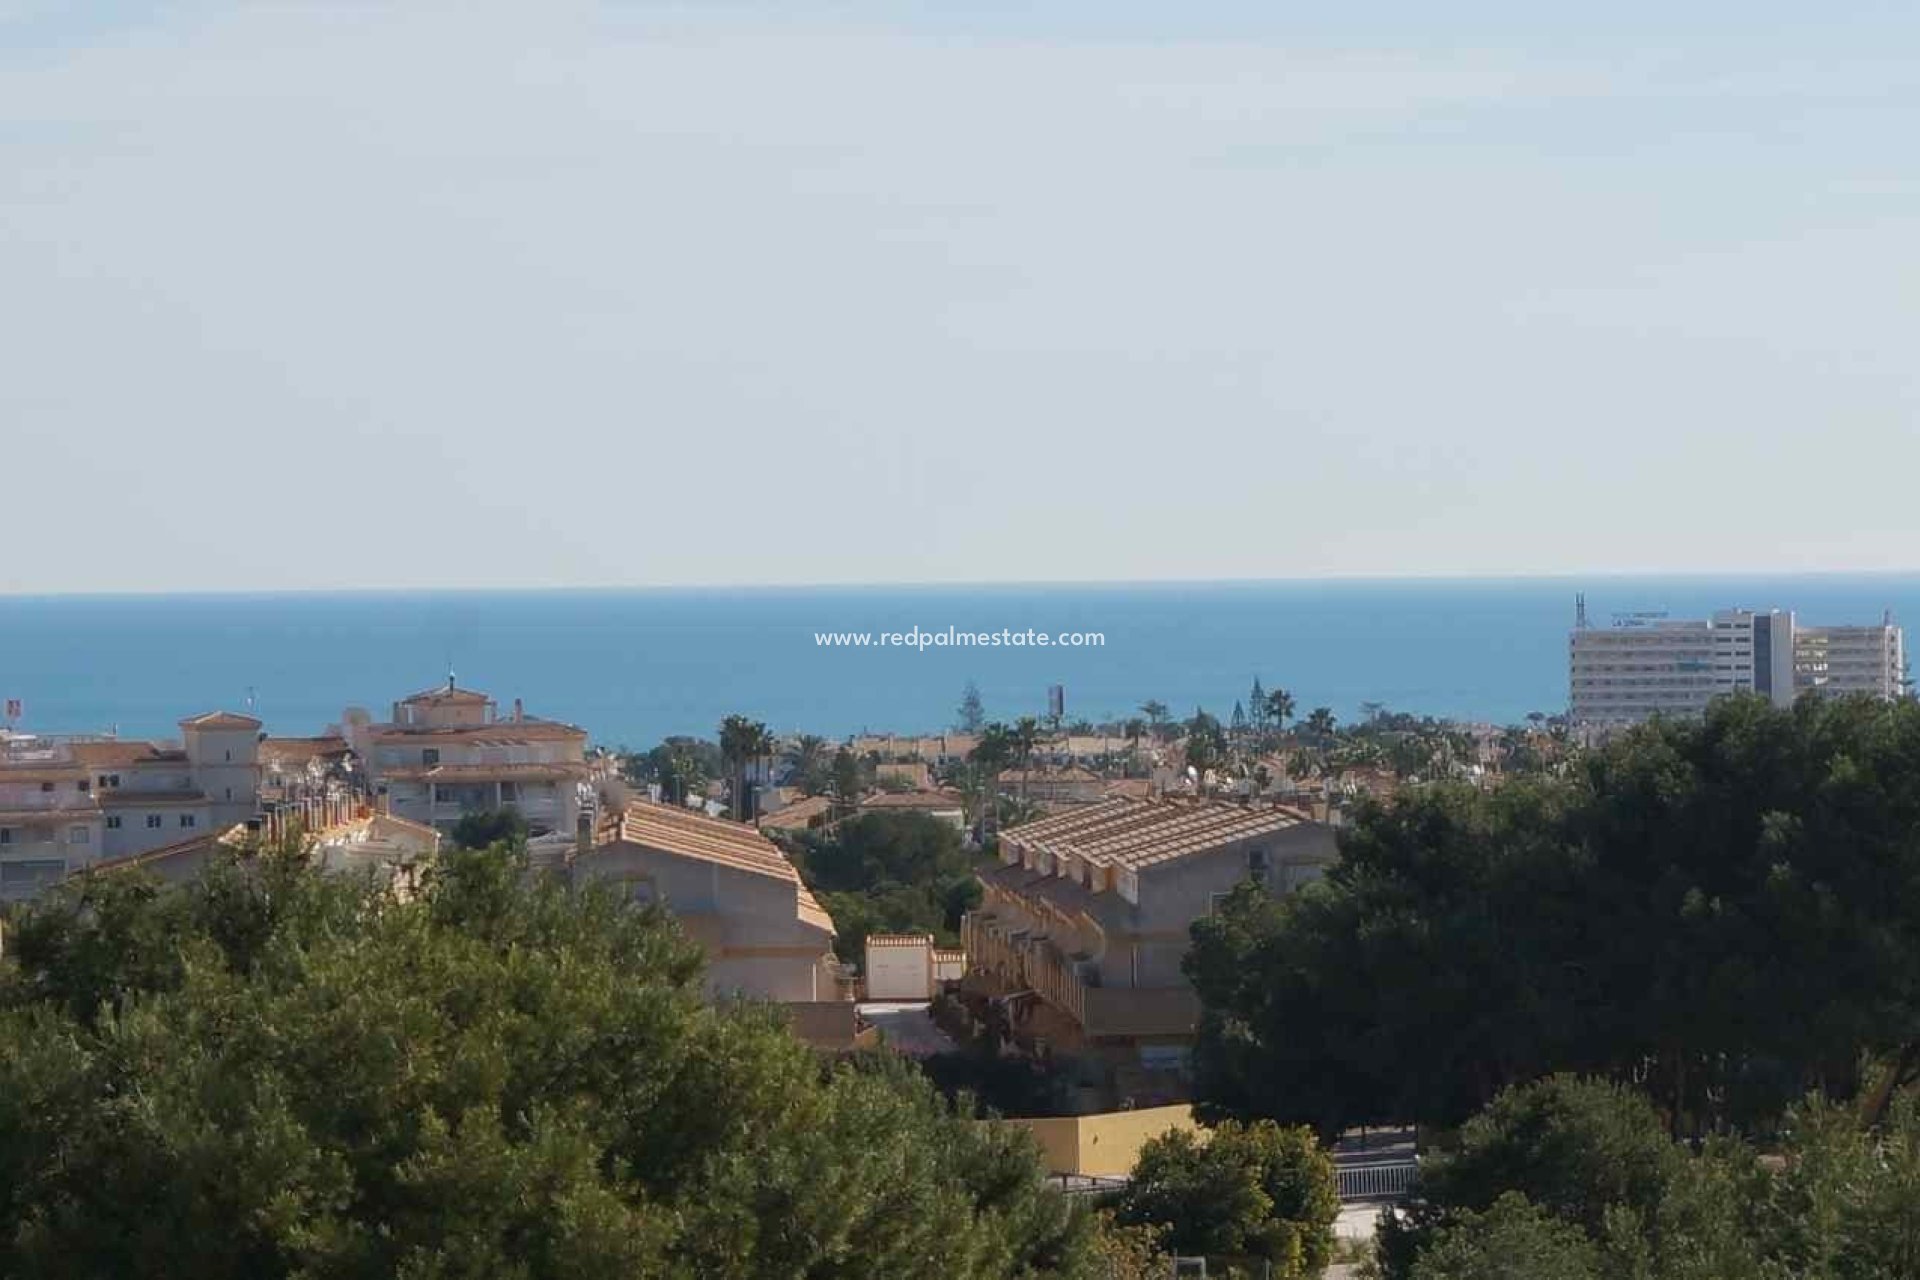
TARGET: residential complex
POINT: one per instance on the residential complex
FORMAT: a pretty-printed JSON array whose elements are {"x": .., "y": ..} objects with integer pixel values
[
  {"x": 69, "y": 802},
  {"x": 1648, "y": 664},
  {"x": 1083, "y": 927},
  {"x": 732, "y": 890},
  {"x": 447, "y": 753}
]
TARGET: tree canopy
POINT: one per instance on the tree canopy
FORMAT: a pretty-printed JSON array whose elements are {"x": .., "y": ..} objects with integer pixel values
[
  {"x": 1570, "y": 1179},
  {"x": 271, "y": 1073},
  {"x": 889, "y": 872},
  {"x": 1725, "y": 912},
  {"x": 1246, "y": 1191}
]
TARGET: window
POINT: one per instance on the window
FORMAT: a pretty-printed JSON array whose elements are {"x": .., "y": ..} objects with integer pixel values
[
  {"x": 78, "y": 835},
  {"x": 46, "y": 786},
  {"x": 6, "y": 835},
  {"x": 1215, "y": 899},
  {"x": 186, "y": 819},
  {"x": 508, "y": 793},
  {"x": 84, "y": 786},
  {"x": 430, "y": 755},
  {"x": 153, "y": 821},
  {"x": 113, "y": 822},
  {"x": 229, "y": 756},
  {"x": 229, "y": 793},
  {"x": 1257, "y": 866}
]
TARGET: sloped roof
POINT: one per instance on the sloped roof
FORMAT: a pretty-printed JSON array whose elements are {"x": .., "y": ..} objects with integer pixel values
[
  {"x": 1072, "y": 773},
  {"x": 290, "y": 749},
  {"x": 43, "y": 771},
  {"x": 811, "y": 912},
  {"x": 112, "y": 754},
  {"x": 687, "y": 834},
  {"x": 797, "y": 816},
  {"x": 220, "y": 720},
  {"x": 504, "y": 732},
  {"x": 446, "y": 694},
  {"x": 1142, "y": 833},
  {"x": 938, "y": 801}
]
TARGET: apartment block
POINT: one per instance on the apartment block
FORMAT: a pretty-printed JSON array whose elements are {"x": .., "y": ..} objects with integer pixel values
[
  {"x": 732, "y": 890},
  {"x": 1647, "y": 664},
  {"x": 447, "y": 753},
  {"x": 69, "y": 802},
  {"x": 1083, "y": 927}
]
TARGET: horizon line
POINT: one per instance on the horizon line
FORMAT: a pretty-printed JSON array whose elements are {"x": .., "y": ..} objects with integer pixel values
[{"x": 1572, "y": 578}]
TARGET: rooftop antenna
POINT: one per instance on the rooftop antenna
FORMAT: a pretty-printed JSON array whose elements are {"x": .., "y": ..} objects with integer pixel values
[
  {"x": 249, "y": 699},
  {"x": 1580, "y": 609},
  {"x": 449, "y": 673}
]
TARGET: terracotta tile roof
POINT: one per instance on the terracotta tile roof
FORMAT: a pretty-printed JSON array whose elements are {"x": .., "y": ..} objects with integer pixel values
[
  {"x": 686, "y": 834},
  {"x": 797, "y": 816},
  {"x": 811, "y": 912},
  {"x": 1143, "y": 833},
  {"x": 1073, "y": 773},
  {"x": 110, "y": 754},
  {"x": 505, "y": 732},
  {"x": 289, "y": 750},
  {"x": 220, "y": 720},
  {"x": 42, "y": 771},
  {"x": 446, "y": 694},
  {"x": 203, "y": 843},
  {"x": 934, "y": 800}
]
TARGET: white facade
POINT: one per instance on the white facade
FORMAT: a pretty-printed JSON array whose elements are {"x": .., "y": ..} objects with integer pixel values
[
  {"x": 1843, "y": 660},
  {"x": 447, "y": 754},
  {"x": 66, "y": 804},
  {"x": 899, "y": 966},
  {"x": 1645, "y": 665}
]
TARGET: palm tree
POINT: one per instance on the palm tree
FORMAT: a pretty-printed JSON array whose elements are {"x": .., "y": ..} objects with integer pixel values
[
  {"x": 1320, "y": 725},
  {"x": 741, "y": 740},
  {"x": 1280, "y": 707},
  {"x": 811, "y": 763},
  {"x": 1025, "y": 738},
  {"x": 989, "y": 756}
]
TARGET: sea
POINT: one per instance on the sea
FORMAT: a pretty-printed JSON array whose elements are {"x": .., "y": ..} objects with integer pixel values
[{"x": 634, "y": 666}]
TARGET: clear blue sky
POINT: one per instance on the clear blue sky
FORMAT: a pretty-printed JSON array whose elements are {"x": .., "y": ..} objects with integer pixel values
[{"x": 364, "y": 295}]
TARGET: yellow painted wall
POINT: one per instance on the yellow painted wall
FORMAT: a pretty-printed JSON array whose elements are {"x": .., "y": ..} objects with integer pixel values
[{"x": 1106, "y": 1145}]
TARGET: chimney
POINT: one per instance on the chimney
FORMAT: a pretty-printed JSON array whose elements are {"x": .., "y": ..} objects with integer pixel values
[{"x": 519, "y": 712}]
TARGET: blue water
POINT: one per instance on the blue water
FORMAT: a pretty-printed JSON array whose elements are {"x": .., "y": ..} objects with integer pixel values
[{"x": 634, "y": 666}]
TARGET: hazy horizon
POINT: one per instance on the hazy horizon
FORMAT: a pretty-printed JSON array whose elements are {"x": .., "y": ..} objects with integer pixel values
[
  {"x": 417, "y": 297},
  {"x": 1574, "y": 582}
]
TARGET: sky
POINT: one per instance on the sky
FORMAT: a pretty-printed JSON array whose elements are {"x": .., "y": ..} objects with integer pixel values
[{"x": 344, "y": 295}]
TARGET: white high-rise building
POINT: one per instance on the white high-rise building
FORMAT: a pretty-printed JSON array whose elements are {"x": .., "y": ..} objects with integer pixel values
[
  {"x": 1840, "y": 660},
  {"x": 1648, "y": 664}
]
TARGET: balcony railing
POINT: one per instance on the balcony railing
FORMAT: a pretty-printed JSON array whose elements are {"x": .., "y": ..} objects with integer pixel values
[{"x": 1024, "y": 959}]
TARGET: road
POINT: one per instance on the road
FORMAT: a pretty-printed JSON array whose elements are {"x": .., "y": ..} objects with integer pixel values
[{"x": 908, "y": 1029}]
